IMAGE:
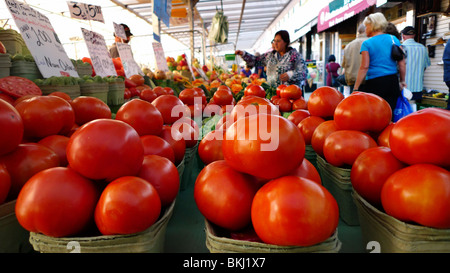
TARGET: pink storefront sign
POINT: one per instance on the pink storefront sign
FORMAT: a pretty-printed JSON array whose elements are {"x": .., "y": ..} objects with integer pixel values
[{"x": 347, "y": 9}]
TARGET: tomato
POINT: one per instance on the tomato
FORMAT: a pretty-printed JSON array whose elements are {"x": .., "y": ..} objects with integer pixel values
[
  {"x": 232, "y": 207},
  {"x": 255, "y": 90},
  {"x": 422, "y": 137},
  {"x": 61, "y": 95},
  {"x": 210, "y": 147},
  {"x": 307, "y": 170},
  {"x": 223, "y": 97},
  {"x": 251, "y": 105},
  {"x": 57, "y": 202},
  {"x": 129, "y": 83},
  {"x": 383, "y": 137},
  {"x": 127, "y": 94},
  {"x": 298, "y": 115},
  {"x": 127, "y": 205},
  {"x": 224, "y": 122},
  {"x": 363, "y": 112},
  {"x": 25, "y": 161},
  {"x": 5, "y": 183},
  {"x": 265, "y": 146},
  {"x": 200, "y": 93},
  {"x": 279, "y": 88},
  {"x": 12, "y": 123},
  {"x": 105, "y": 149},
  {"x": 370, "y": 171},
  {"x": 170, "y": 107},
  {"x": 9, "y": 99},
  {"x": 187, "y": 96},
  {"x": 320, "y": 134},
  {"x": 160, "y": 91},
  {"x": 284, "y": 105},
  {"x": 292, "y": 211},
  {"x": 275, "y": 99},
  {"x": 88, "y": 108},
  {"x": 169, "y": 90},
  {"x": 143, "y": 116},
  {"x": 176, "y": 141},
  {"x": 163, "y": 175},
  {"x": 323, "y": 101},
  {"x": 188, "y": 133},
  {"x": 293, "y": 92},
  {"x": 148, "y": 95},
  {"x": 137, "y": 79},
  {"x": 419, "y": 193},
  {"x": 46, "y": 115},
  {"x": 58, "y": 144},
  {"x": 307, "y": 127},
  {"x": 299, "y": 104},
  {"x": 155, "y": 145},
  {"x": 341, "y": 148}
]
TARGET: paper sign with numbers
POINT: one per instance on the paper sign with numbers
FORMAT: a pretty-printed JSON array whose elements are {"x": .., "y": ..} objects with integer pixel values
[
  {"x": 41, "y": 40},
  {"x": 101, "y": 60},
  {"x": 161, "y": 62},
  {"x": 129, "y": 64},
  {"x": 85, "y": 11},
  {"x": 119, "y": 31}
]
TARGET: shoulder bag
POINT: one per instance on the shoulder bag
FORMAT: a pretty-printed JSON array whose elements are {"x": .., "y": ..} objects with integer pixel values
[{"x": 397, "y": 53}]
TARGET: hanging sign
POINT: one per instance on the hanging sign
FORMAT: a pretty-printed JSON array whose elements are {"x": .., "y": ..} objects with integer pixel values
[
  {"x": 41, "y": 40},
  {"x": 101, "y": 60},
  {"x": 119, "y": 31},
  {"x": 129, "y": 64},
  {"x": 163, "y": 10},
  {"x": 161, "y": 62},
  {"x": 85, "y": 11}
]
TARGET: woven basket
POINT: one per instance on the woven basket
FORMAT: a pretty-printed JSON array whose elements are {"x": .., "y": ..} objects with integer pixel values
[
  {"x": 116, "y": 91},
  {"x": 337, "y": 181},
  {"x": 25, "y": 69},
  {"x": 148, "y": 241},
  {"x": 218, "y": 244},
  {"x": 13, "y": 237},
  {"x": 189, "y": 158},
  {"x": 395, "y": 236},
  {"x": 72, "y": 90},
  {"x": 95, "y": 89},
  {"x": 311, "y": 155},
  {"x": 180, "y": 169}
]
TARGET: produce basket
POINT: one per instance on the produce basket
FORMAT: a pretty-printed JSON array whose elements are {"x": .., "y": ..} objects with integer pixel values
[
  {"x": 84, "y": 69},
  {"x": 148, "y": 241},
  {"x": 181, "y": 168},
  {"x": 72, "y": 90},
  {"x": 25, "y": 69},
  {"x": 95, "y": 89},
  {"x": 395, "y": 236},
  {"x": 13, "y": 41},
  {"x": 5, "y": 65},
  {"x": 311, "y": 155},
  {"x": 116, "y": 91},
  {"x": 337, "y": 181},
  {"x": 13, "y": 237},
  {"x": 217, "y": 243},
  {"x": 189, "y": 159}
]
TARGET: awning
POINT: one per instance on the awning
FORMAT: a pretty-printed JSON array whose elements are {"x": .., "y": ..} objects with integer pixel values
[{"x": 338, "y": 11}]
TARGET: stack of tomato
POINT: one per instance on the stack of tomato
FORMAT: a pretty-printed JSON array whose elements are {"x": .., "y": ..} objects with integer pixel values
[
  {"x": 289, "y": 98},
  {"x": 256, "y": 182},
  {"x": 72, "y": 167},
  {"x": 195, "y": 99}
]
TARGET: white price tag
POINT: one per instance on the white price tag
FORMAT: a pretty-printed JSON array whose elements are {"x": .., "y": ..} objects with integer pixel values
[
  {"x": 85, "y": 11},
  {"x": 129, "y": 64},
  {"x": 101, "y": 60},
  {"x": 119, "y": 31},
  {"x": 161, "y": 62}
]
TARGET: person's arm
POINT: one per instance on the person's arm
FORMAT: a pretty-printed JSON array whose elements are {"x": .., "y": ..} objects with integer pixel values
[
  {"x": 402, "y": 71},
  {"x": 298, "y": 72},
  {"x": 363, "y": 68}
]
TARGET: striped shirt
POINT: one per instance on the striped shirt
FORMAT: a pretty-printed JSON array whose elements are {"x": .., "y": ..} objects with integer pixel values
[{"x": 416, "y": 61}]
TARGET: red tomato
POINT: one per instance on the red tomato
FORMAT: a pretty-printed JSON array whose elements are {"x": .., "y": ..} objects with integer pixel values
[
  {"x": 12, "y": 123},
  {"x": 419, "y": 193},
  {"x": 170, "y": 107},
  {"x": 279, "y": 88},
  {"x": 137, "y": 79},
  {"x": 255, "y": 90},
  {"x": 176, "y": 141},
  {"x": 188, "y": 133},
  {"x": 57, "y": 144},
  {"x": 266, "y": 146},
  {"x": 320, "y": 134},
  {"x": 307, "y": 127},
  {"x": 160, "y": 91},
  {"x": 25, "y": 161},
  {"x": 422, "y": 137},
  {"x": 275, "y": 99},
  {"x": 298, "y": 115},
  {"x": 210, "y": 147},
  {"x": 155, "y": 145},
  {"x": 370, "y": 171},
  {"x": 383, "y": 137},
  {"x": 231, "y": 208},
  {"x": 61, "y": 95},
  {"x": 300, "y": 104},
  {"x": 143, "y": 116},
  {"x": 323, "y": 101},
  {"x": 292, "y": 211},
  {"x": 46, "y": 115},
  {"x": 187, "y": 96},
  {"x": 307, "y": 170},
  {"x": 163, "y": 175},
  {"x": 148, "y": 95},
  {"x": 57, "y": 202},
  {"x": 341, "y": 148},
  {"x": 105, "y": 149},
  {"x": 5, "y": 183},
  {"x": 223, "y": 97},
  {"x": 285, "y": 105},
  {"x": 293, "y": 92},
  {"x": 9, "y": 99},
  {"x": 363, "y": 112},
  {"x": 169, "y": 90},
  {"x": 251, "y": 105},
  {"x": 88, "y": 108},
  {"x": 127, "y": 205}
]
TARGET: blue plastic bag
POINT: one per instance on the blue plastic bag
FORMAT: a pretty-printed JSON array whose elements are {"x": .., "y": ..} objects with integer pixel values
[{"x": 403, "y": 108}]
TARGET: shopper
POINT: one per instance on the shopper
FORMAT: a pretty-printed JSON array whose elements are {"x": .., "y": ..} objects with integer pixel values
[
  {"x": 260, "y": 70},
  {"x": 392, "y": 29},
  {"x": 285, "y": 64},
  {"x": 113, "y": 49},
  {"x": 446, "y": 60},
  {"x": 377, "y": 66},
  {"x": 247, "y": 71},
  {"x": 417, "y": 61},
  {"x": 332, "y": 68},
  {"x": 352, "y": 58}
]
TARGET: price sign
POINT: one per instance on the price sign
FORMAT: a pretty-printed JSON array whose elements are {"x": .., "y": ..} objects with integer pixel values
[
  {"x": 129, "y": 64},
  {"x": 119, "y": 31},
  {"x": 41, "y": 40},
  {"x": 101, "y": 60},
  {"x": 85, "y": 11},
  {"x": 161, "y": 62}
]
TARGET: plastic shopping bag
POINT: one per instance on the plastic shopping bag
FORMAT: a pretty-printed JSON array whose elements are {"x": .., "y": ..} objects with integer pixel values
[{"x": 403, "y": 107}]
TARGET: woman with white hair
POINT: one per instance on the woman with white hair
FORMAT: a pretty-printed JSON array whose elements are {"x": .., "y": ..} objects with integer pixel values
[{"x": 380, "y": 71}]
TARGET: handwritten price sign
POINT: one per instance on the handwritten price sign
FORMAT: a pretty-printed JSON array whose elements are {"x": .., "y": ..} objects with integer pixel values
[
  {"x": 101, "y": 60},
  {"x": 129, "y": 64},
  {"x": 41, "y": 40},
  {"x": 85, "y": 11}
]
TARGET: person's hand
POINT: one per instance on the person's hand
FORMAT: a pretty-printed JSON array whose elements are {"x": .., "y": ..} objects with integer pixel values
[
  {"x": 284, "y": 77},
  {"x": 239, "y": 52},
  {"x": 402, "y": 85}
]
